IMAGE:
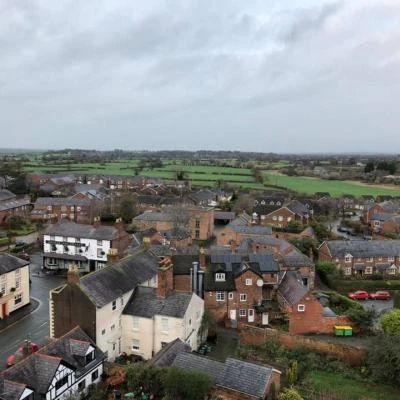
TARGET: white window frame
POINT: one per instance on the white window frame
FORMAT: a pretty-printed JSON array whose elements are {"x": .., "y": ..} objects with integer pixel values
[
  {"x": 347, "y": 271},
  {"x": 243, "y": 297},
  {"x": 249, "y": 281},
  {"x": 220, "y": 296},
  {"x": 220, "y": 277},
  {"x": 301, "y": 307},
  {"x": 242, "y": 312},
  {"x": 164, "y": 325},
  {"x": 390, "y": 259},
  {"x": 114, "y": 305},
  {"x": 230, "y": 296},
  {"x": 368, "y": 270},
  {"x": 135, "y": 345}
]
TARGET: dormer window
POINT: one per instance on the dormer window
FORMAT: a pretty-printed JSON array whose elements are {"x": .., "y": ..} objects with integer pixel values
[
  {"x": 89, "y": 356},
  {"x": 348, "y": 258},
  {"x": 220, "y": 277}
]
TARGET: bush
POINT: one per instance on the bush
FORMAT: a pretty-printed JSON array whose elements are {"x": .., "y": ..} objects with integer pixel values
[
  {"x": 396, "y": 299},
  {"x": 363, "y": 318},
  {"x": 390, "y": 322},
  {"x": 289, "y": 394}
]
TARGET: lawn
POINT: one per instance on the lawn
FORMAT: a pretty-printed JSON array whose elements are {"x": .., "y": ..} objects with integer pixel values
[
  {"x": 309, "y": 185},
  {"x": 331, "y": 383}
]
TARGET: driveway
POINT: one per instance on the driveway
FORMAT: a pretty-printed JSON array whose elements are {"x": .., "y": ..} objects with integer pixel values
[
  {"x": 34, "y": 326},
  {"x": 381, "y": 306}
]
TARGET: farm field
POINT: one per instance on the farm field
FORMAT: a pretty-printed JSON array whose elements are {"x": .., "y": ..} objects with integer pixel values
[
  {"x": 349, "y": 389},
  {"x": 309, "y": 185}
]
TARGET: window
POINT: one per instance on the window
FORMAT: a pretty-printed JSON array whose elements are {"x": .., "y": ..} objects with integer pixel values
[
  {"x": 114, "y": 305},
  {"x": 197, "y": 223},
  {"x": 280, "y": 218},
  {"x": 390, "y": 259},
  {"x": 103, "y": 332},
  {"x": 347, "y": 271},
  {"x": 99, "y": 243},
  {"x": 347, "y": 258},
  {"x": 17, "y": 272},
  {"x": 3, "y": 288},
  {"x": 242, "y": 312},
  {"x": 163, "y": 344},
  {"x": 301, "y": 307},
  {"x": 164, "y": 324},
  {"x": 274, "y": 217},
  {"x": 113, "y": 327},
  {"x": 220, "y": 296},
  {"x": 61, "y": 382},
  {"x": 368, "y": 270},
  {"x": 135, "y": 344},
  {"x": 197, "y": 234},
  {"x": 230, "y": 295},
  {"x": 249, "y": 282},
  {"x": 122, "y": 301},
  {"x": 243, "y": 297},
  {"x": 370, "y": 259},
  {"x": 100, "y": 253},
  {"x": 81, "y": 385},
  {"x": 220, "y": 277},
  {"x": 95, "y": 375},
  {"x": 17, "y": 283},
  {"x": 89, "y": 357},
  {"x": 380, "y": 258},
  {"x": 288, "y": 219},
  {"x": 18, "y": 299},
  {"x": 72, "y": 208},
  {"x": 135, "y": 323},
  {"x": 114, "y": 346}
]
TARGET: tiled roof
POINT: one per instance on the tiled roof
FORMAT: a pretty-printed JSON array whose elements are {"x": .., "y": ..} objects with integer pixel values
[
  {"x": 237, "y": 375},
  {"x": 298, "y": 208},
  {"x": 72, "y": 229},
  {"x": 10, "y": 263},
  {"x": 166, "y": 356},
  {"x": 291, "y": 288},
  {"x": 6, "y": 195},
  {"x": 11, "y": 204},
  {"x": 153, "y": 216},
  {"x": 146, "y": 304},
  {"x": 382, "y": 217},
  {"x": 61, "y": 201},
  {"x": 109, "y": 283},
  {"x": 364, "y": 248},
  {"x": 251, "y": 230}
]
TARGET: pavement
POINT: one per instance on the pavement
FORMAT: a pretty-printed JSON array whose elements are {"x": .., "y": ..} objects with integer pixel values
[{"x": 33, "y": 321}]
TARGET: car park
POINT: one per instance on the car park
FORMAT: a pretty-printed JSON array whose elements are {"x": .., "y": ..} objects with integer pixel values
[
  {"x": 359, "y": 295},
  {"x": 380, "y": 295}
]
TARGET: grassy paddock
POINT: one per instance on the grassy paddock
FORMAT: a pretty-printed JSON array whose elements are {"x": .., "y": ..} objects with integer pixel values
[
  {"x": 309, "y": 185},
  {"x": 348, "y": 389}
]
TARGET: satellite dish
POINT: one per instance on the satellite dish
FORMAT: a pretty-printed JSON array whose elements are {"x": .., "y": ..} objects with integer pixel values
[{"x": 260, "y": 282}]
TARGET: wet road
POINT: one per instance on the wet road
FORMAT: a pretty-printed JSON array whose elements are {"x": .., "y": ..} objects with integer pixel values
[{"x": 35, "y": 326}]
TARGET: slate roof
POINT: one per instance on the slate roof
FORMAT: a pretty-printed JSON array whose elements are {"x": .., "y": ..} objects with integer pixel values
[
  {"x": 382, "y": 217},
  {"x": 297, "y": 259},
  {"x": 241, "y": 219},
  {"x": 266, "y": 262},
  {"x": 109, "y": 283},
  {"x": 298, "y": 208},
  {"x": 166, "y": 356},
  {"x": 241, "y": 376},
  {"x": 291, "y": 288},
  {"x": 176, "y": 233},
  {"x": 251, "y": 230},
  {"x": 146, "y": 304},
  {"x": 153, "y": 216},
  {"x": 183, "y": 263},
  {"x": 61, "y": 201},
  {"x": 10, "y": 263},
  {"x": 9, "y": 205},
  {"x": 72, "y": 229},
  {"x": 224, "y": 215},
  {"x": 37, "y": 371},
  {"x": 265, "y": 209},
  {"x": 364, "y": 248},
  {"x": 6, "y": 195}
]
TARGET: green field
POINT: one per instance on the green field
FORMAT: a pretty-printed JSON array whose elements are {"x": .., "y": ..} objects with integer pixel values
[
  {"x": 346, "y": 388},
  {"x": 308, "y": 185}
]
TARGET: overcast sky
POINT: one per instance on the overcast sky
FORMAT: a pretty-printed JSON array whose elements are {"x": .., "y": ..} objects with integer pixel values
[{"x": 268, "y": 75}]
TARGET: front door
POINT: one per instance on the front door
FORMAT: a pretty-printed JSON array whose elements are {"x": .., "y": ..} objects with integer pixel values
[
  {"x": 232, "y": 315},
  {"x": 4, "y": 310},
  {"x": 251, "y": 315},
  {"x": 265, "y": 318}
]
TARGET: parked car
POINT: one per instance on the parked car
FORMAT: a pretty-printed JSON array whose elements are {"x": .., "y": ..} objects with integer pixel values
[
  {"x": 20, "y": 354},
  {"x": 380, "y": 295},
  {"x": 359, "y": 295}
]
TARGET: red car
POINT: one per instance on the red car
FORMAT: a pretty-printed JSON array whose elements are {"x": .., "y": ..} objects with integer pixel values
[
  {"x": 380, "y": 295},
  {"x": 359, "y": 295},
  {"x": 19, "y": 354}
]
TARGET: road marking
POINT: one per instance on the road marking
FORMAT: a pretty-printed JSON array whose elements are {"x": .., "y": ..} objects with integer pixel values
[{"x": 44, "y": 323}]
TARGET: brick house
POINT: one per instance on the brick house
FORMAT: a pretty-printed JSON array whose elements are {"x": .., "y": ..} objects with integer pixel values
[
  {"x": 235, "y": 288},
  {"x": 198, "y": 220},
  {"x": 76, "y": 209},
  {"x": 11, "y": 205},
  {"x": 305, "y": 312},
  {"x": 385, "y": 223},
  {"x": 282, "y": 217},
  {"x": 370, "y": 210},
  {"x": 363, "y": 258}
]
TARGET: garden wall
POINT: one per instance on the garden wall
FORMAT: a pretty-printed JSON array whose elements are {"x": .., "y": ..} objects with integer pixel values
[{"x": 257, "y": 336}]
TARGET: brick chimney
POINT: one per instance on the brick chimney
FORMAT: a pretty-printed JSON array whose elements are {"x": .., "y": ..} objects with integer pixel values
[
  {"x": 73, "y": 275},
  {"x": 202, "y": 258},
  {"x": 165, "y": 277},
  {"x": 96, "y": 222}
]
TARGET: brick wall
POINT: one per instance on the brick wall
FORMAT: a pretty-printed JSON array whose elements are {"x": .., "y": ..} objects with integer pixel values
[
  {"x": 257, "y": 336},
  {"x": 182, "y": 283}
]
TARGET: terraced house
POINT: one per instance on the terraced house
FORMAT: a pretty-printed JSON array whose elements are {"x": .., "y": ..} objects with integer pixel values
[
  {"x": 89, "y": 247},
  {"x": 363, "y": 257}
]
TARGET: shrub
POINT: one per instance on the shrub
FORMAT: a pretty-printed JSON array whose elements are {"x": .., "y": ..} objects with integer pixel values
[
  {"x": 289, "y": 394},
  {"x": 390, "y": 322},
  {"x": 396, "y": 299}
]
